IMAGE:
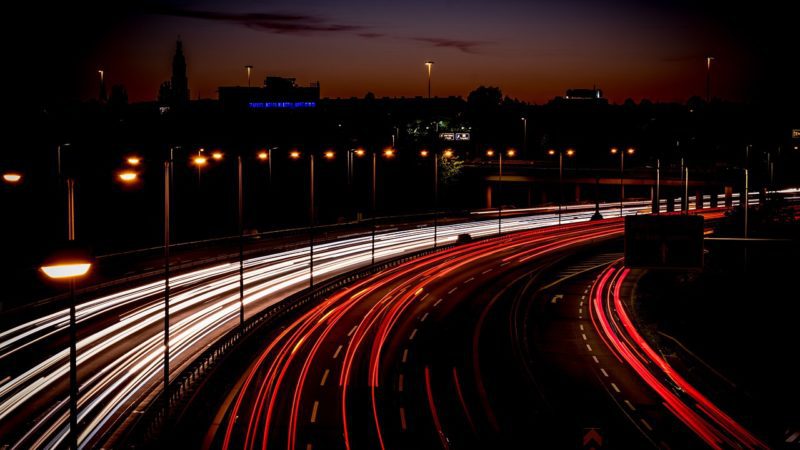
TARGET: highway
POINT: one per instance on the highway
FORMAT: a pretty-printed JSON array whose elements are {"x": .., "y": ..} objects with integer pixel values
[
  {"x": 397, "y": 360},
  {"x": 120, "y": 349}
]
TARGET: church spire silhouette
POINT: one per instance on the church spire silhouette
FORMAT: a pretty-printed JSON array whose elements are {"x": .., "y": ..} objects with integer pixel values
[{"x": 180, "y": 83}]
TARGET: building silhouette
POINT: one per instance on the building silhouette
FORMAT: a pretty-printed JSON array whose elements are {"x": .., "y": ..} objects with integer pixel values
[{"x": 176, "y": 91}]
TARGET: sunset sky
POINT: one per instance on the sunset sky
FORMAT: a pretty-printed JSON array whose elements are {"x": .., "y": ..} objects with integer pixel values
[{"x": 533, "y": 50}]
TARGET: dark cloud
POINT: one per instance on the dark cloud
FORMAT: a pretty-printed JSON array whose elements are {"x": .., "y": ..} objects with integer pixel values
[
  {"x": 464, "y": 46},
  {"x": 370, "y": 35},
  {"x": 271, "y": 22}
]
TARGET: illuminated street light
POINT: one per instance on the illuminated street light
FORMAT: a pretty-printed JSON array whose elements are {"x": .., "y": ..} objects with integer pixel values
[
  {"x": 263, "y": 155},
  {"x": 133, "y": 160},
  {"x": 128, "y": 176},
  {"x": 360, "y": 152},
  {"x": 69, "y": 264},
  {"x": 490, "y": 153},
  {"x": 249, "y": 69},
  {"x": 329, "y": 154},
  {"x": 12, "y": 177},
  {"x": 388, "y": 152},
  {"x": 448, "y": 153},
  {"x": 200, "y": 160},
  {"x": 217, "y": 155},
  {"x": 511, "y": 153},
  {"x": 429, "y": 64},
  {"x": 629, "y": 151},
  {"x": 294, "y": 154},
  {"x": 423, "y": 153},
  {"x": 569, "y": 152}
]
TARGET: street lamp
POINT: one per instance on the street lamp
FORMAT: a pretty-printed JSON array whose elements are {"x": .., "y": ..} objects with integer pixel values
[
  {"x": 133, "y": 161},
  {"x": 510, "y": 153},
  {"x": 429, "y": 65},
  {"x": 448, "y": 153},
  {"x": 217, "y": 155},
  {"x": 630, "y": 151},
  {"x": 570, "y": 153},
  {"x": 524, "y": 135},
  {"x": 69, "y": 264},
  {"x": 128, "y": 176},
  {"x": 249, "y": 68}
]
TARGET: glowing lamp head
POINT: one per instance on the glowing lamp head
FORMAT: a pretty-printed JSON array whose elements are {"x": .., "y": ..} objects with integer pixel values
[
  {"x": 360, "y": 152},
  {"x": 329, "y": 154},
  {"x": 263, "y": 155},
  {"x": 128, "y": 176},
  {"x": 511, "y": 153},
  {"x": 12, "y": 177},
  {"x": 217, "y": 155},
  {"x": 423, "y": 153},
  {"x": 551, "y": 152},
  {"x": 389, "y": 152},
  {"x": 68, "y": 262},
  {"x": 294, "y": 154},
  {"x": 448, "y": 153},
  {"x": 67, "y": 270},
  {"x": 631, "y": 151},
  {"x": 200, "y": 160},
  {"x": 133, "y": 160},
  {"x": 614, "y": 150},
  {"x": 570, "y": 152}
]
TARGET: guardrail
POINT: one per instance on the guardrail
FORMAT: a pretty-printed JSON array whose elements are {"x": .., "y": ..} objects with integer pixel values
[{"x": 161, "y": 411}]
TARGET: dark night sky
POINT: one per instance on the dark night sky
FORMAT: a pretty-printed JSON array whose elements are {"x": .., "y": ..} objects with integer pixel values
[{"x": 533, "y": 50}]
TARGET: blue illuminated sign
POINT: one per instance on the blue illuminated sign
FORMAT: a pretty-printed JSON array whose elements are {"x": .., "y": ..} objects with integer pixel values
[{"x": 281, "y": 105}]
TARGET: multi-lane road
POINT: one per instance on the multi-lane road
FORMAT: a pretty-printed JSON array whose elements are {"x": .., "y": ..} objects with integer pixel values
[{"x": 120, "y": 348}]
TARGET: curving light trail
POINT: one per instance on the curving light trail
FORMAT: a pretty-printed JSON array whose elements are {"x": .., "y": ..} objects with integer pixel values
[{"x": 705, "y": 419}]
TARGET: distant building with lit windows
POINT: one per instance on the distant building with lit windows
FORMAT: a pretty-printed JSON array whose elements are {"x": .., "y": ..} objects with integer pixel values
[{"x": 276, "y": 94}]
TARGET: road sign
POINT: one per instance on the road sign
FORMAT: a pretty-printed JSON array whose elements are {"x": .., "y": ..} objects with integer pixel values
[
  {"x": 592, "y": 439},
  {"x": 664, "y": 242}
]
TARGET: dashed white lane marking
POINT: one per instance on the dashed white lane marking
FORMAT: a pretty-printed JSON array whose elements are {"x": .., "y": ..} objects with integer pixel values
[
  {"x": 336, "y": 353},
  {"x": 646, "y": 425},
  {"x": 352, "y": 330},
  {"x": 405, "y": 355},
  {"x": 413, "y": 333},
  {"x": 583, "y": 335},
  {"x": 793, "y": 437},
  {"x": 314, "y": 411},
  {"x": 505, "y": 263},
  {"x": 486, "y": 271},
  {"x": 468, "y": 280},
  {"x": 583, "y": 297},
  {"x": 437, "y": 302},
  {"x": 403, "y": 418},
  {"x": 400, "y": 383},
  {"x": 615, "y": 388},
  {"x": 581, "y": 327},
  {"x": 580, "y": 304},
  {"x": 424, "y": 297},
  {"x": 452, "y": 290},
  {"x": 595, "y": 359},
  {"x": 589, "y": 347},
  {"x": 580, "y": 310},
  {"x": 425, "y": 316},
  {"x": 325, "y": 377},
  {"x": 585, "y": 291},
  {"x": 605, "y": 374},
  {"x": 630, "y": 405}
]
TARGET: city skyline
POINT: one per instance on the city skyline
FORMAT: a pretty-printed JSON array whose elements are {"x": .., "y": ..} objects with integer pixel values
[{"x": 533, "y": 52}]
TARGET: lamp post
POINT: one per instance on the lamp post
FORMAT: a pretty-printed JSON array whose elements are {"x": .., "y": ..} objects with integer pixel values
[
  {"x": 12, "y": 177},
  {"x": 629, "y": 151},
  {"x": 510, "y": 153},
  {"x": 448, "y": 153},
  {"x": 658, "y": 186},
  {"x": 570, "y": 153},
  {"x": 524, "y": 135},
  {"x": 249, "y": 68},
  {"x": 70, "y": 265},
  {"x": 429, "y": 65}
]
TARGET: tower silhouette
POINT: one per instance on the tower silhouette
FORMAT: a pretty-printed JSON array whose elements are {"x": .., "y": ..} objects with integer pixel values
[{"x": 180, "y": 84}]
